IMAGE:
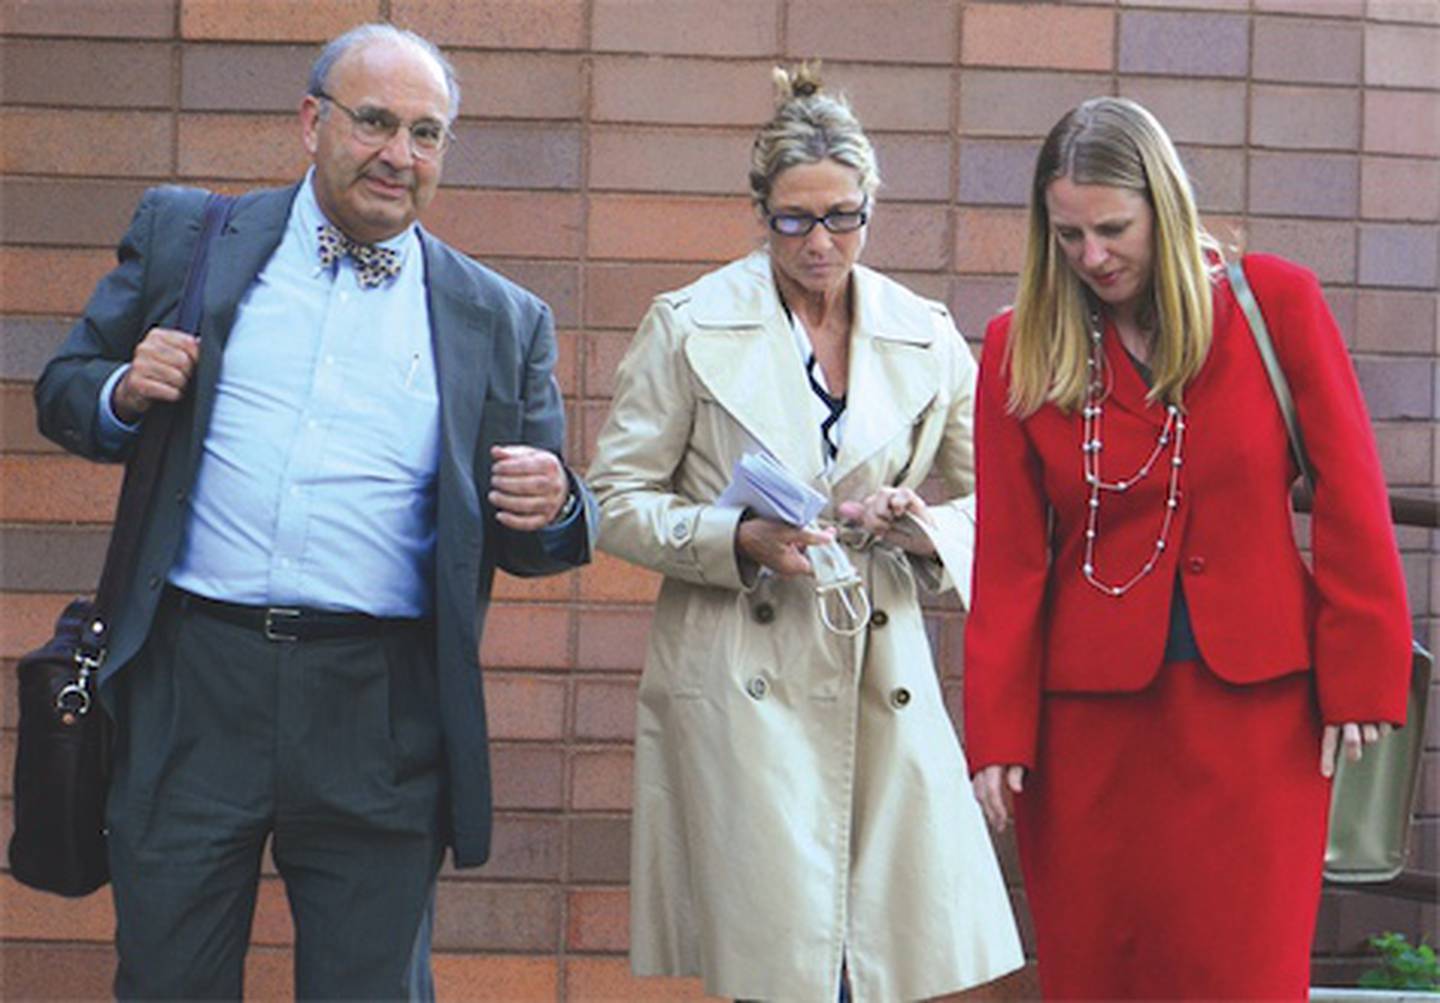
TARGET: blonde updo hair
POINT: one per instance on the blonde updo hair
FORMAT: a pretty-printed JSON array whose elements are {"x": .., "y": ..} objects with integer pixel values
[{"x": 809, "y": 126}]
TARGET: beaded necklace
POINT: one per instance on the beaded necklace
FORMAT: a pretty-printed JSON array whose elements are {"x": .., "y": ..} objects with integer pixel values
[{"x": 1172, "y": 434}]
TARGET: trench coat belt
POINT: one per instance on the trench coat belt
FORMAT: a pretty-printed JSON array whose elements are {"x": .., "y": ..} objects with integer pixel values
[
  {"x": 850, "y": 536},
  {"x": 853, "y": 537}
]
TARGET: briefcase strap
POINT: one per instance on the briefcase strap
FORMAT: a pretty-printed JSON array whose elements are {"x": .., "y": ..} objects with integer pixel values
[{"x": 142, "y": 472}]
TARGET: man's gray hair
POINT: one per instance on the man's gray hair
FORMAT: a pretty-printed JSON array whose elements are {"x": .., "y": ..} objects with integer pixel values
[{"x": 380, "y": 32}]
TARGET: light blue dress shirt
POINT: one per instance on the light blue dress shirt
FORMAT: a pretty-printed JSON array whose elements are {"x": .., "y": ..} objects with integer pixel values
[{"x": 316, "y": 485}]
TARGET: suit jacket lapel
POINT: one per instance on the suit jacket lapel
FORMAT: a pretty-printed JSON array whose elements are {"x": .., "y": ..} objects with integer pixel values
[
  {"x": 1127, "y": 386},
  {"x": 460, "y": 334},
  {"x": 892, "y": 376},
  {"x": 255, "y": 228},
  {"x": 254, "y": 231}
]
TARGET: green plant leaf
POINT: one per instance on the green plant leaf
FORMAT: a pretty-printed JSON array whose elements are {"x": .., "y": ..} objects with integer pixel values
[{"x": 1402, "y": 965}]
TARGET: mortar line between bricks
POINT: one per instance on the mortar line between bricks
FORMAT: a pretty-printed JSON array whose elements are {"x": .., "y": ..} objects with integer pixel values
[
  {"x": 952, "y": 212},
  {"x": 1115, "y": 15},
  {"x": 1359, "y": 88},
  {"x": 1248, "y": 147},
  {"x": 582, "y": 350},
  {"x": 177, "y": 57}
]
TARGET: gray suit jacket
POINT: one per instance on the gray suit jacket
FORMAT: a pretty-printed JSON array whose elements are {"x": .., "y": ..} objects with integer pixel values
[{"x": 494, "y": 350}]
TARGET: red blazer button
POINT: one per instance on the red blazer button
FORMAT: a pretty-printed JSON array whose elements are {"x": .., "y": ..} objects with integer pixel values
[{"x": 1195, "y": 565}]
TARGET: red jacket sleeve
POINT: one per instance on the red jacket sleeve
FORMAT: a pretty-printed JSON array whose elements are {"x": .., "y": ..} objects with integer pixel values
[
  {"x": 1004, "y": 634},
  {"x": 1361, "y": 642}
]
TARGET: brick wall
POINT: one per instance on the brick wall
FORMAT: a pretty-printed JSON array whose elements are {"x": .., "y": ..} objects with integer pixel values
[{"x": 601, "y": 158}]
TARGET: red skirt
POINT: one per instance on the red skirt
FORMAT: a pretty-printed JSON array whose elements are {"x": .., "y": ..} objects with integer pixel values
[{"x": 1172, "y": 839}]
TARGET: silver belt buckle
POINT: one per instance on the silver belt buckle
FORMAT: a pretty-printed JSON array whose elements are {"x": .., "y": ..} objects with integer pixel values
[
  {"x": 839, "y": 590},
  {"x": 273, "y": 632}
]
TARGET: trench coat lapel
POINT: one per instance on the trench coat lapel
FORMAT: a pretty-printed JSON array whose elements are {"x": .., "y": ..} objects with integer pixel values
[
  {"x": 240, "y": 251},
  {"x": 743, "y": 353},
  {"x": 892, "y": 375}
]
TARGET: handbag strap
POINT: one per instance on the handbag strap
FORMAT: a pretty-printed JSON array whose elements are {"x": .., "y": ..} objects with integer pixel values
[
  {"x": 1245, "y": 296},
  {"x": 142, "y": 472}
]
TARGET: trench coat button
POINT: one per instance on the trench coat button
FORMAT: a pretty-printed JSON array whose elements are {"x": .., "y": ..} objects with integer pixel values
[
  {"x": 879, "y": 618},
  {"x": 180, "y": 497},
  {"x": 764, "y": 612},
  {"x": 757, "y": 687},
  {"x": 899, "y": 698},
  {"x": 1195, "y": 565},
  {"x": 153, "y": 581},
  {"x": 680, "y": 531}
]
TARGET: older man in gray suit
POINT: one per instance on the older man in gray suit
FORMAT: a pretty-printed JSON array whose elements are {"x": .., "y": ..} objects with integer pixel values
[{"x": 368, "y": 427}]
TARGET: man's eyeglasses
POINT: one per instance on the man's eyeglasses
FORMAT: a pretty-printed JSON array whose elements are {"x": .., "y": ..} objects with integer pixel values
[
  {"x": 798, "y": 224},
  {"x": 377, "y": 126}
]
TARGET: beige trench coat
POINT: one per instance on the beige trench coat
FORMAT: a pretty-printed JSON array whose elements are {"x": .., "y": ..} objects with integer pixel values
[{"x": 800, "y": 797}]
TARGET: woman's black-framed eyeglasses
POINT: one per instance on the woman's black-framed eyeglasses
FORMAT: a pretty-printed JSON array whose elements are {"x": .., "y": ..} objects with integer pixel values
[{"x": 798, "y": 224}]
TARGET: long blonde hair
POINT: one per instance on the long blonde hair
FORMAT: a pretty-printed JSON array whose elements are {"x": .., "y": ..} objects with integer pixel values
[{"x": 1114, "y": 142}]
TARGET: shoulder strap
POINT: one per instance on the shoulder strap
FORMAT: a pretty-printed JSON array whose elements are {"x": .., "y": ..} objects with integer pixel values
[
  {"x": 1245, "y": 296},
  {"x": 192, "y": 300},
  {"x": 143, "y": 470}
]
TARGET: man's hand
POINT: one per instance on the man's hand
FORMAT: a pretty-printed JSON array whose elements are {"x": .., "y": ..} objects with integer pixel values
[
  {"x": 160, "y": 371},
  {"x": 528, "y": 486},
  {"x": 779, "y": 547}
]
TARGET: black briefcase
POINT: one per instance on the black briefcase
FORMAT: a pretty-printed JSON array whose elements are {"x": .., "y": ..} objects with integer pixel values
[{"x": 62, "y": 764}]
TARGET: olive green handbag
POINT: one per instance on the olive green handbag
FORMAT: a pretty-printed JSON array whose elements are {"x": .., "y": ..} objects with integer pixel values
[{"x": 1373, "y": 800}]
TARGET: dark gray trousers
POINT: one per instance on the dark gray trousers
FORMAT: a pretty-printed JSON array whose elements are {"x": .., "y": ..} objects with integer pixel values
[{"x": 329, "y": 749}]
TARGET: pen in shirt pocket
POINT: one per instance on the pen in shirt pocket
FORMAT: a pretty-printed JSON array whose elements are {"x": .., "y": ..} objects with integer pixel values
[{"x": 414, "y": 365}]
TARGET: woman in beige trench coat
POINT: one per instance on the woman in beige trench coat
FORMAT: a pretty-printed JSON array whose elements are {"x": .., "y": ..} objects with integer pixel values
[{"x": 802, "y": 809}]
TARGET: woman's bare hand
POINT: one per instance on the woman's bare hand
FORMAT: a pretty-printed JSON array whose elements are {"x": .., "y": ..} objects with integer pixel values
[
  {"x": 1351, "y": 738},
  {"x": 994, "y": 786},
  {"x": 777, "y": 546},
  {"x": 896, "y": 516}
]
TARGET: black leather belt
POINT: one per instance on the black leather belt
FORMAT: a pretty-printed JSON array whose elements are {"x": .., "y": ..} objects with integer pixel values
[{"x": 291, "y": 623}]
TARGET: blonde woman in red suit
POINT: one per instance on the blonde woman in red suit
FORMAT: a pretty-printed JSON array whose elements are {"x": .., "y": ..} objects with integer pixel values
[{"x": 1154, "y": 681}]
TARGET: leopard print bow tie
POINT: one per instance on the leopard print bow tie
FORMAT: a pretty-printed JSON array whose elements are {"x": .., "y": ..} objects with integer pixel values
[{"x": 373, "y": 265}]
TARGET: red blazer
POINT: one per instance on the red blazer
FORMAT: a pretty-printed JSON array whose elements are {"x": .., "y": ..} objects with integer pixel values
[{"x": 1036, "y": 625}]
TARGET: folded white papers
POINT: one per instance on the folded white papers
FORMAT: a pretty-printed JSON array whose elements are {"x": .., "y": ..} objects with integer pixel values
[{"x": 762, "y": 485}]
